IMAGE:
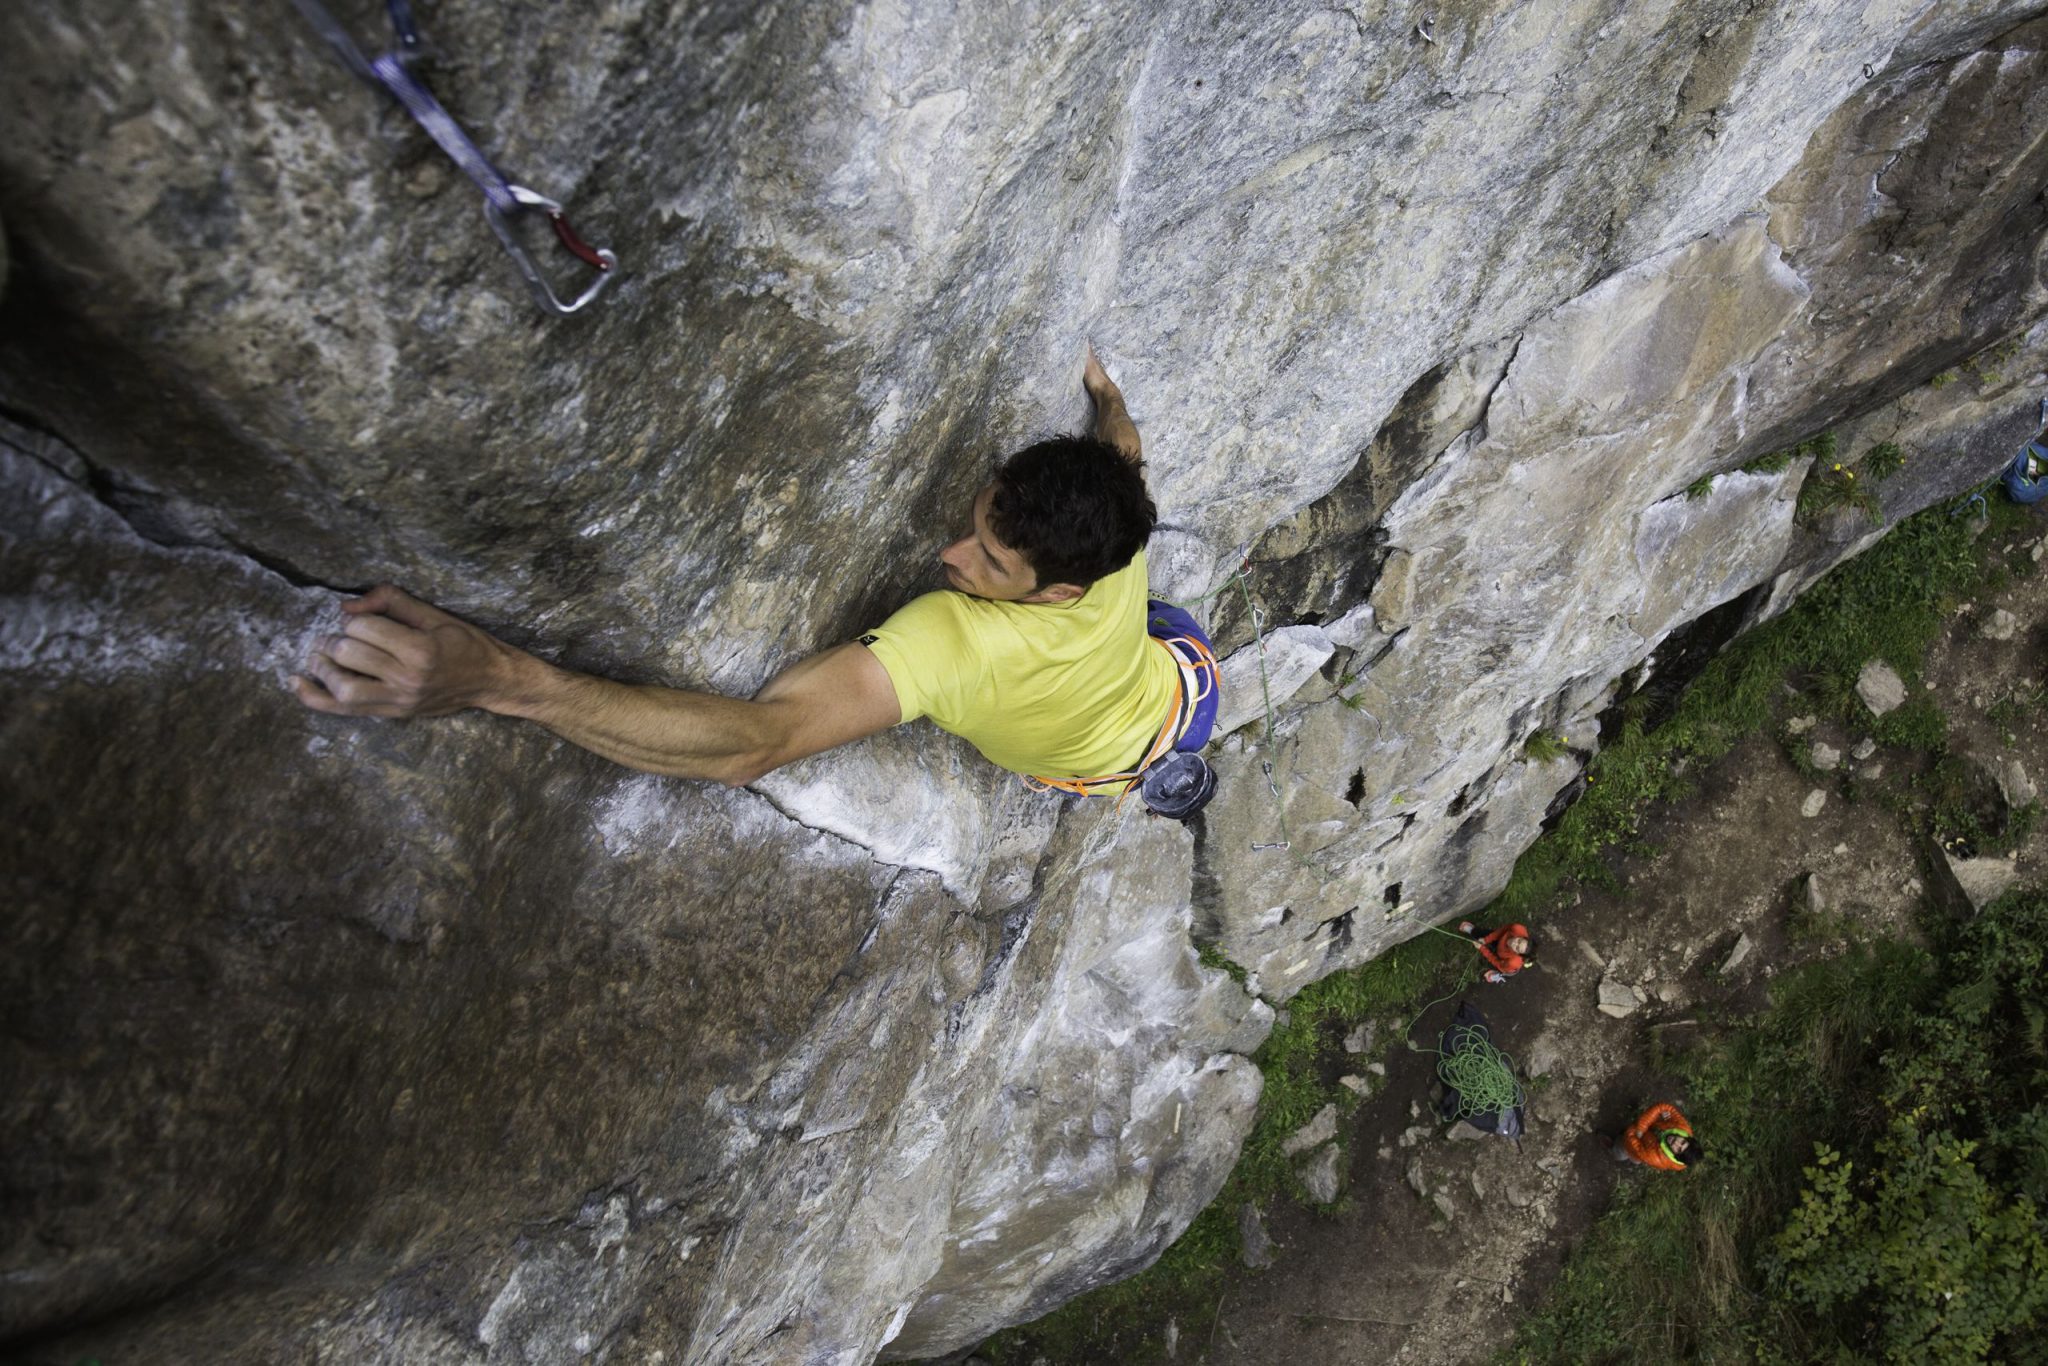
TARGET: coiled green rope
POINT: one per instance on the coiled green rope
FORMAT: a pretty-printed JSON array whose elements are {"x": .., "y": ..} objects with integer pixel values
[{"x": 1482, "y": 1076}]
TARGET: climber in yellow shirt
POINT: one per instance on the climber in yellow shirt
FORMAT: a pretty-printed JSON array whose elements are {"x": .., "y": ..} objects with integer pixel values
[{"x": 1043, "y": 652}]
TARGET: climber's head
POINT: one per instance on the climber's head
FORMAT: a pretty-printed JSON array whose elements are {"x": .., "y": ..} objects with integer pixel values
[
  {"x": 1058, "y": 516},
  {"x": 1517, "y": 944}
]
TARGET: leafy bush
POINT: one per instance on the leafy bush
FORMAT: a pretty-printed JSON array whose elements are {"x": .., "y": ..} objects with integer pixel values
[
  {"x": 1939, "y": 1262},
  {"x": 1878, "y": 1179}
]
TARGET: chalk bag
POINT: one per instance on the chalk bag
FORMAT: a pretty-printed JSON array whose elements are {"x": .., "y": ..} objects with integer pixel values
[{"x": 1177, "y": 786}]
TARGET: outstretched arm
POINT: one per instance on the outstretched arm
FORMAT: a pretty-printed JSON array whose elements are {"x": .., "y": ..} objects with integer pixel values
[
  {"x": 1112, "y": 423},
  {"x": 398, "y": 657}
]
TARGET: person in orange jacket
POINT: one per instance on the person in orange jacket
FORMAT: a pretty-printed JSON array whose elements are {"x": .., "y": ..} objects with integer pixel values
[
  {"x": 1661, "y": 1139},
  {"x": 1506, "y": 949}
]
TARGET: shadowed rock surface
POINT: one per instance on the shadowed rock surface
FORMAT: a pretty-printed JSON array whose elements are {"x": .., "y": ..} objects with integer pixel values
[{"x": 448, "y": 1041}]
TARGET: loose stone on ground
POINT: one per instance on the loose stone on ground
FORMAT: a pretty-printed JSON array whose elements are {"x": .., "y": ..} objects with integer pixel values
[{"x": 1880, "y": 687}]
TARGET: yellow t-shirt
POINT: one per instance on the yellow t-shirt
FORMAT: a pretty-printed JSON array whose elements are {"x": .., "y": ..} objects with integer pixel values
[{"x": 1061, "y": 690}]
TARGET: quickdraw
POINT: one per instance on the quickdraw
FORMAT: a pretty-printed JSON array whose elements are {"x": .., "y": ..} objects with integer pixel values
[{"x": 503, "y": 201}]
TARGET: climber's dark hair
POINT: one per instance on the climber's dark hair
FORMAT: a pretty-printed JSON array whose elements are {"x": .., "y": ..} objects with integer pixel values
[
  {"x": 1074, "y": 507},
  {"x": 1693, "y": 1151}
]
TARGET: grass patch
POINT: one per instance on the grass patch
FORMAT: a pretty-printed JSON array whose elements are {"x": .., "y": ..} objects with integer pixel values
[
  {"x": 1959, "y": 804},
  {"x": 1987, "y": 367},
  {"x": 1883, "y": 460},
  {"x": 1700, "y": 487},
  {"x": 1888, "y": 603},
  {"x": 1917, "y": 723},
  {"x": 2015, "y": 707},
  {"x": 1211, "y": 955},
  {"x": 1544, "y": 746},
  {"x": 1831, "y": 486},
  {"x": 1832, "y": 482},
  {"x": 1876, "y": 1184}
]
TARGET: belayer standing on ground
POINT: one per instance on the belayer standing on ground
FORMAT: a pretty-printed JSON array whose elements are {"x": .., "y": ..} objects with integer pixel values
[
  {"x": 1505, "y": 949},
  {"x": 1661, "y": 1139},
  {"x": 1043, "y": 653}
]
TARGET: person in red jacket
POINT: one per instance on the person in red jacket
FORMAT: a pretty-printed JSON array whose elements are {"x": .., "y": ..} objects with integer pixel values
[
  {"x": 1506, "y": 949},
  {"x": 1661, "y": 1139}
]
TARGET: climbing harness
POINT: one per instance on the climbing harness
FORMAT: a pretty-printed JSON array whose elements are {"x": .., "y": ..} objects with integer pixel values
[
  {"x": 2026, "y": 478},
  {"x": 391, "y": 72},
  {"x": 1238, "y": 579},
  {"x": 1171, "y": 782}
]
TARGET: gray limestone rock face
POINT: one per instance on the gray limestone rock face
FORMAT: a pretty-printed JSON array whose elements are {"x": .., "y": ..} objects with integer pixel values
[
  {"x": 1291, "y": 657},
  {"x": 864, "y": 1014},
  {"x": 443, "y": 1041}
]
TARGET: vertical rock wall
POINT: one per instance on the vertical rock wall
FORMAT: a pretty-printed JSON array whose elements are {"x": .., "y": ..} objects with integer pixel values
[{"x": 446, "y": 1041}]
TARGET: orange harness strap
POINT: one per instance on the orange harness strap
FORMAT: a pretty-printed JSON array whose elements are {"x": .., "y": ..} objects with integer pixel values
[{"x": 1190, "y": 687}]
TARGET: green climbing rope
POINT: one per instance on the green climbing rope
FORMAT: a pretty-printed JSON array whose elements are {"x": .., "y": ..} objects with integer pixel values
[
  {"x": 1258, "y": 620},
  {"x": 1482, "y": 1076}
]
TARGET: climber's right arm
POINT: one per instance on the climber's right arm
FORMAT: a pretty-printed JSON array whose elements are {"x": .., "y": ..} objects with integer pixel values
[
  {"x": 1112, "y": 420},
  {"x": 400, "y": 657}
]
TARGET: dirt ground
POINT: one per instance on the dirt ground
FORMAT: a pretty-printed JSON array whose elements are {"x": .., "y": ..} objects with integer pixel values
[{"x": 1439, "y": 1246}]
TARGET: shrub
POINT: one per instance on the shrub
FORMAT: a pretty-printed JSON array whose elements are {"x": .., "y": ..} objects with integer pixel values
[{"x": 1880, "y": 1136}]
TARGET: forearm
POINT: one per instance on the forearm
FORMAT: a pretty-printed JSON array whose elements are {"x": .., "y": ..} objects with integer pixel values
[
  {"x": 1113, "y": 423},
  {"x": 667, "y": 731}
]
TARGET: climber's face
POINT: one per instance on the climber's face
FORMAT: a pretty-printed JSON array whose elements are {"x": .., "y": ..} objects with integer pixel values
[{"x": 979, "y": 564}]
